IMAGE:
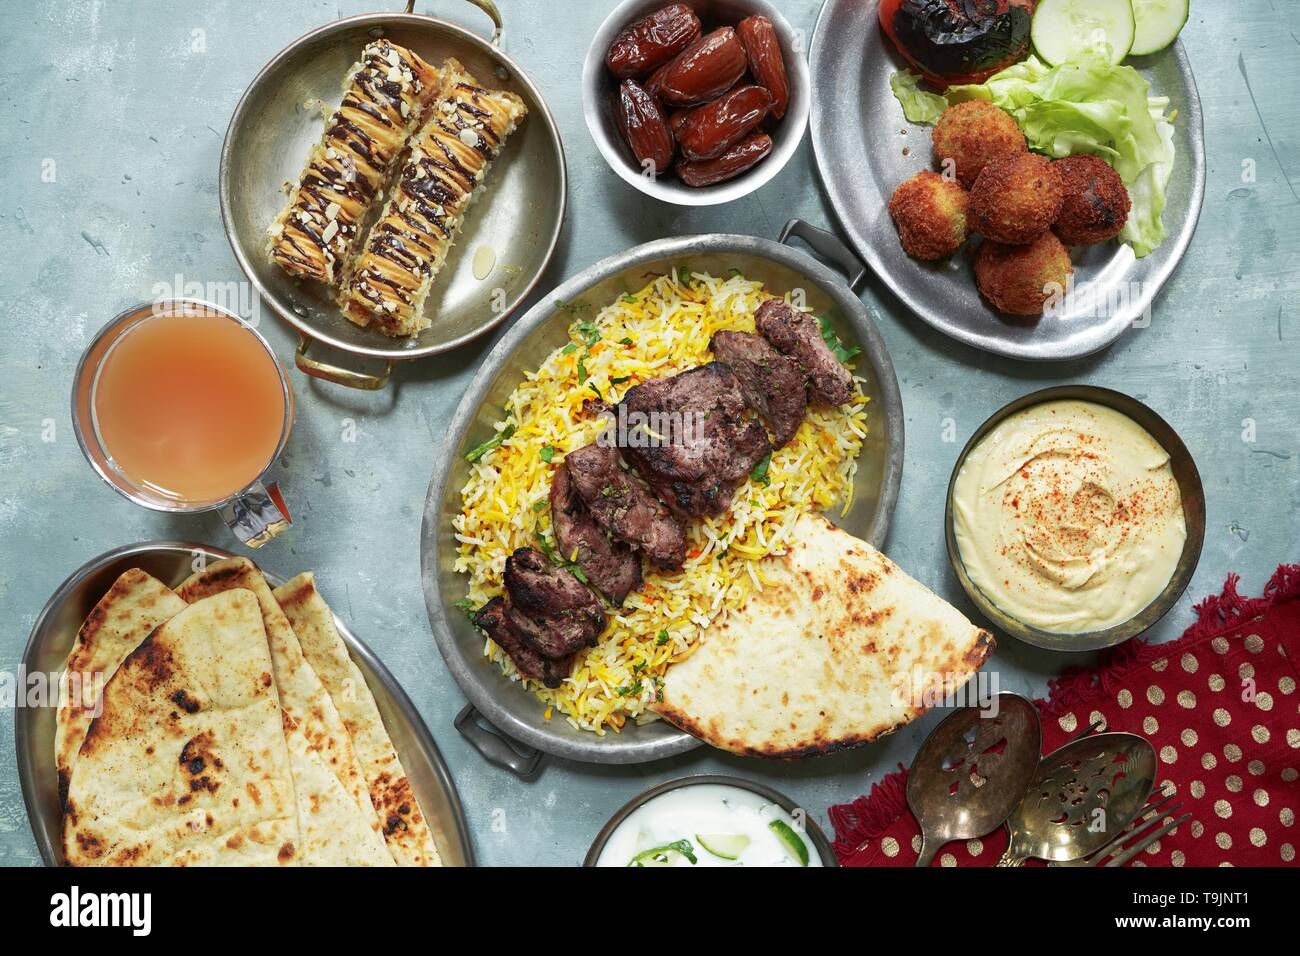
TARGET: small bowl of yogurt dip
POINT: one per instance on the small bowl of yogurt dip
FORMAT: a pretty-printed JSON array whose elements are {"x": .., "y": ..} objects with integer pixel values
[
  {"x": 1075, "y": 518},
  {"x": 710, "y": 820}
]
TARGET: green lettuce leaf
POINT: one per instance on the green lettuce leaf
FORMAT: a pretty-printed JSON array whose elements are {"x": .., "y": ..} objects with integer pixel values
[
  {"x": 1089, "y": 106},
  {"x": 918, "y": 105}
]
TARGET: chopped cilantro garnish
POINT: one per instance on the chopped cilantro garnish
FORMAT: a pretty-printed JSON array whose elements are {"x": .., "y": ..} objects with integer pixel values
[
  {"x": 630, "y": 689},
  {"x": 625, "y": 341},
  {"x": 759, "y": 474},
  {"x": 474, "y": 454},
  {"x": 590, "y": 334},
  {"x": 582, "y": 369},
  {"x": 683, "y": 275},
  {"x": 569, "y": 349},
  {"x": 573, "y": 308},
  {"x": 833, "y": 340},
  {"x": 547, "y": 453},
  {"x": 557, "y": 559},
  {"x": 620, "y": 379},
  {"x": 466, "y": 605},
  {"x": 539, "y": 507},
  {"x": 662, "y": 639}
]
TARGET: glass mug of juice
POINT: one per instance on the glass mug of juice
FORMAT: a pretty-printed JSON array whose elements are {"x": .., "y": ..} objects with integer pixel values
[{"x": 182, "y": 407}]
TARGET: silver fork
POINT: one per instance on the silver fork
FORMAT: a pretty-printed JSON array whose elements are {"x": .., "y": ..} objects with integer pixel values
[{"x": 1152, "y": 814}]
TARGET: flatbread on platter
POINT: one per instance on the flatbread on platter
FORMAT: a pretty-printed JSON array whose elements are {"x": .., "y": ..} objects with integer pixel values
[
  {"x": 405, "y": 828},
  {"x": 336, "y": 822},
  {"x": 838, "y": 648},
  {"x": 186, "y": 764},
  {"x": 127, "y": 614}
]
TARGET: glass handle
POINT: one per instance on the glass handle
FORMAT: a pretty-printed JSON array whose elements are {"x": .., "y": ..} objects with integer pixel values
[{"x": 257, "y": 515}]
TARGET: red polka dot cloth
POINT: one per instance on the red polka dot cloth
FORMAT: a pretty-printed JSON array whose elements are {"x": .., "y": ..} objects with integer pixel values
[{"x": 1221, "y": 709}]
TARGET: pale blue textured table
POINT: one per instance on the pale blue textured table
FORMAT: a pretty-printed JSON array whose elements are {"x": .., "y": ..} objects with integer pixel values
[{"x": 111, "y": 122}]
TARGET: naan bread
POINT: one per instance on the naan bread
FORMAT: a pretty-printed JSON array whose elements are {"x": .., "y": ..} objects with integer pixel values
[
  {"x": 336, "y": 822},
  {"x": 405, "y": 829},
  {"x": 186, "y": 764},
  {"x": 838, "y": 648},
  {"x": 135, "y": 605}
]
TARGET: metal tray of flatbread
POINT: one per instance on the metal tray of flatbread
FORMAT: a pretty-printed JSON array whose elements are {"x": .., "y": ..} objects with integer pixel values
[{"x": 171, "y": 562}]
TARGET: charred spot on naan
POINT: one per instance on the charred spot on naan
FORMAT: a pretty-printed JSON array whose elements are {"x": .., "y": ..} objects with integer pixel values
[
  {"x": 201, "y": 764},
  {"x": 153, "y": 666},
  {"x": 399, "y": 808}
]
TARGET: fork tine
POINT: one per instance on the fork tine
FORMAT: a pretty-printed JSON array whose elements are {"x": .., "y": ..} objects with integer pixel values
[
  {"x": 1135, "y": 826},
  {"x": 1147, "y": 840},
  {"x": 1088, "y": 731},
  {"x": 1154, "y": 804}
]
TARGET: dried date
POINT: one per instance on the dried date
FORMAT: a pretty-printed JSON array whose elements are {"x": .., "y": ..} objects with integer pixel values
[{"x": 652, "y": 41}]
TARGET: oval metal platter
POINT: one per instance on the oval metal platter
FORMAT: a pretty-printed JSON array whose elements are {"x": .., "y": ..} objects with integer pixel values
[
  {"x": 511, "y": 709},
  {"x": 171, "y": 562},
  {"x": 865, "y": 147},
  {"x": 518, "y": 215}
]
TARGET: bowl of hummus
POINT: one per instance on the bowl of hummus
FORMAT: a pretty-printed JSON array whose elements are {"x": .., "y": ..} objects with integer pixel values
[{"x": 1075, "y": 518}]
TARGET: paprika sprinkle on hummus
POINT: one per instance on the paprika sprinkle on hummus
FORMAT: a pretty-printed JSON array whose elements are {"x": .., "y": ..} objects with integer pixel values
[{"x": 1068, "y": 517}]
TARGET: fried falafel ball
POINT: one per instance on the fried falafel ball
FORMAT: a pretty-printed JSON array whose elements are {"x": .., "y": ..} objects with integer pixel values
[
  {"x": 1096, "y": 201},
  {"x": 1016, "y": 199},
  {"x": 971, "y": 135},
  {"x": 1021, "y": 279},
  {"x": 930, "y": 212}
]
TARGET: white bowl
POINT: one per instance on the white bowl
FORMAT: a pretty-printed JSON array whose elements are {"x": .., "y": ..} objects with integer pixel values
[{"x": 600, "y": 92}]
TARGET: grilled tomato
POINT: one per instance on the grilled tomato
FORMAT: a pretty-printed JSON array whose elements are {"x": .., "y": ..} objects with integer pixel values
[{"x": 958, "y": 41}]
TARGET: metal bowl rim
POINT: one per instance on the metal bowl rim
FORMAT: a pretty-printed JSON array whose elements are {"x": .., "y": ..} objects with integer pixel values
[
  {"x": 1149, "y": 615},
  {"x": 672, "y": 191},
  {"x": 838, "y": 199},
  {"x": 237, "y": 120},
  {"x": 482, "y": 686},
  {"x": 811, "y": 827},
  {"x": 27, "y": 771}
]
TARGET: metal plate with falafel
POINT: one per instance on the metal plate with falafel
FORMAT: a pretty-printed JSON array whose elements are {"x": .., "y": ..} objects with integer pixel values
[{"x": 1027, "y": 206}]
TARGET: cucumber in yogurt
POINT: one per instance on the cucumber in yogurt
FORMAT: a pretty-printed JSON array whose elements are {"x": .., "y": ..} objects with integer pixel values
[{"x": 1066, "y": 30}]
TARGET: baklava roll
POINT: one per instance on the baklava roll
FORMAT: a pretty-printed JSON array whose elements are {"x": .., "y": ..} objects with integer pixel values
[
  {"x": 386, "y": 98},
  {"x": 448, "y": 160}
]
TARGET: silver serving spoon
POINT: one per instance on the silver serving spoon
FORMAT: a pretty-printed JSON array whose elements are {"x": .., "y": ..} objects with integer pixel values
[
  {"x": 972, "y": 771},
  {"x": 1081, "y": 797}
]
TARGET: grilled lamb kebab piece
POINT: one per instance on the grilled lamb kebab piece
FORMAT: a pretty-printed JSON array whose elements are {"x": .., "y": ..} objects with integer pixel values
[
  {"x": 715, "y": 446},
  {"x": 624, "y": 508},
  {"x": 611, "y": 566},
  {"x": 491, "y": 617},
  {"x": 773, "y": 385},
  {"x": 797, "y": 335},
  {"x": 555, "y": 613}
]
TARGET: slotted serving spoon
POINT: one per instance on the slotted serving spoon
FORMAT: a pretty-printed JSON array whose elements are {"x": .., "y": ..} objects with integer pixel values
[
  {"x": 972, "y": 771},
  {"x": 1082, "y": 796}
]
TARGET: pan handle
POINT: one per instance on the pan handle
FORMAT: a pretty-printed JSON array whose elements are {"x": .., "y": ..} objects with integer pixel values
[
  {"x": 495, "y": 747},
  {"x": 828, "y": 246},
  {"x": 488, "y": 7},
  {"x": 336, "y": 373}
]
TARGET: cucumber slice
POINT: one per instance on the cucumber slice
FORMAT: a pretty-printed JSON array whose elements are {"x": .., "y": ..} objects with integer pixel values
[
  {"x": 666, "y": 855},
  {"x": 793, "y": 841},
  {"x": 1158, "y": 24},
  {"x": 1074, "y": 29},
  {"x": 726, "y": 846}
]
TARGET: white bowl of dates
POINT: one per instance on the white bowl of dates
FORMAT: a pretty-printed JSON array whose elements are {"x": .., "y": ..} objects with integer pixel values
[{"x": 698, "y": 102}]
